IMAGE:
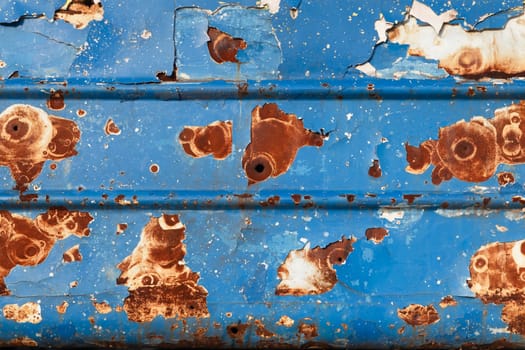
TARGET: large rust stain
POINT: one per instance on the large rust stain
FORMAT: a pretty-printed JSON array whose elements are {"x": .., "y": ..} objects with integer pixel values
[
  {"x": 201, "y": 141},
  {"x": 418, "y": 315},
  {"x": 29, "y": 137},
  {"x": 223, "y": 47},
  {"x": 497, "y": 275},
  {"x": 467, "y": 53},
  {"x": 310, "y": 271},
  {"x": 276, "y": 137},
  {"x": 28, "y": 242},
  {"x": 158, "y": 281},
  {"x": 472, "y": 150}
]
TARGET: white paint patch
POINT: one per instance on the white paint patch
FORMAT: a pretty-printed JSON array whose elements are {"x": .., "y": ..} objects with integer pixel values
[
  {"x": 272, "y": 5},
  {"x": 454, "y": 213},
  {"x": 501, "y": 228},
  {"x": 427, "y": 15},
  {"x": 382, "y": 26},
  {"x": 392, "y": 215},
  {"x": 502, "y": 330},
  {"x": 518, "y": 256},
  {"x": 515, "y": 214}
]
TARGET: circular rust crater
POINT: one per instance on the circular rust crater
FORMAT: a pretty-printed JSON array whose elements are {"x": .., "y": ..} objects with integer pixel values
[
  {"x": 259, "y": 167},
  {"x": 154, "y": 168},
  {"x": 481, "y": 263}
]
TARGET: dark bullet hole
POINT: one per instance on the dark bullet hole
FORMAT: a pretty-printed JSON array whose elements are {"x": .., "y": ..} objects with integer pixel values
[{"x": 259, "y": 168}]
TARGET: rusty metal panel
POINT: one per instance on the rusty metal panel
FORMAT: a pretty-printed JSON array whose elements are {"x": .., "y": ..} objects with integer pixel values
[{"x": 262, "y": 174}]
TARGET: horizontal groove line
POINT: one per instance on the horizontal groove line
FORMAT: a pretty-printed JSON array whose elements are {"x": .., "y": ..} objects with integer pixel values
[
  {"x": 360, "y": 89},
  {"x": 262, "y": 200}
]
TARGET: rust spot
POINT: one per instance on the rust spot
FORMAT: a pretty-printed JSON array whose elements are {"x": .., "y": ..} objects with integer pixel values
[
  {"x": 81, "y": 113},
  {"x": 28, "y": 312},
  {"x": 296, "y": 198},
  {"x": 158, "y": 281},
  {"x": 121, "y": 227},
  {"x": 73, "y": 284},
  {"x": 310, "y": 271},
  {"x": 486, "y": 202},
  {"x": 80, "y": 12},
  {"x": 53, "y": 166},
  {"x": 102, "y": 307},
  {"x": 72, "y": 254},
  {"x": 237, "y": 331},
  {"x": 307, "y": 330},
  {"x": 62, "y": 308},
  {"x": 275, "y": 139},
  {"x": 418, "y": 315},
  {"x": 285, "y": 321},
  {"x": 154, "y": 168},
  {"x": 223, "y": 47},
  {"x": 91, "y": 320},
  {"x": 518, "y": 199},
  {"x": 29, "y": 137},
  {"x": 350, "y": 197},
  {"x": 262, "y": 331},
  {"x": 21, "y": 342},
  {"x": 271, "y": 201},
  {"x": 410, "y": 198},
  {"x": 121, "y": 200},
  {"x": 111, "y": 128},
  {"x": 28, "y": 242},
  {"x": 201, "y": 141},
  {"x": 447, "y": 301},
  {"x": 505, "y": 178},
  {"x": 375, "y": 169},
  {"x": 376, "y": 234},
  {"x": 56, "y": 100},
  {"x": 242, "y": 90}
]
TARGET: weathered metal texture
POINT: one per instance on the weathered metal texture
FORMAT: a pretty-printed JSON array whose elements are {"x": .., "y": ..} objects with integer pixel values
[{"x": 262, "y": 174}]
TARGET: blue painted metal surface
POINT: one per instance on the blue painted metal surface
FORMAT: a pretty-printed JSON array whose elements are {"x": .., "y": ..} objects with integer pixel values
[{"x": 136, "y": 76}]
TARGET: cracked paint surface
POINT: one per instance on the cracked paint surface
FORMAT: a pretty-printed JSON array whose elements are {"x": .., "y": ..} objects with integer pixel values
[{"x": 248, "y": 43}]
